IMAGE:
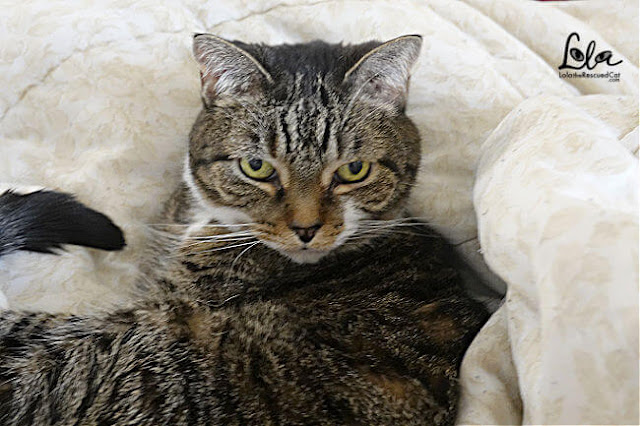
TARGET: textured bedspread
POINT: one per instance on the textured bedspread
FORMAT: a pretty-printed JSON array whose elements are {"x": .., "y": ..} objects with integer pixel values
[{"x": 538, "y": 170}]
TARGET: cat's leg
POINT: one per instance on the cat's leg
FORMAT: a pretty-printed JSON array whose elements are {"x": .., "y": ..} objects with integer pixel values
[
  {"x": 130, "y": 367},
  {"x": 43, "y": 220}
]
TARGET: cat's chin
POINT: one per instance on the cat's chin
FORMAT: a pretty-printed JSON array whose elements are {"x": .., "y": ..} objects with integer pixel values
[
  {"x": 302, "y": 255},
  {"x": 305, "y": 255}
]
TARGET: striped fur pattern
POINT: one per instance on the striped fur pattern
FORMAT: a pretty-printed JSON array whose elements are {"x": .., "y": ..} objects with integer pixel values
[{"x": 251, "y": 324}]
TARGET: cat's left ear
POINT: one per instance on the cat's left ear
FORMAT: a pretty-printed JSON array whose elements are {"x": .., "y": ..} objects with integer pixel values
[
  {"x": 382, "y": 75},
  {"x": 227, "y": 69}
]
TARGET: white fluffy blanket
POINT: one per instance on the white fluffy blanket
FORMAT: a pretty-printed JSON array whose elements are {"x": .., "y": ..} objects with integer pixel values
[{"x": 98, "y": 97}]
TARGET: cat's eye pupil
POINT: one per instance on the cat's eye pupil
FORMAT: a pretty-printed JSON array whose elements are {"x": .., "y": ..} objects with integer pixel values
[
  {"x": 255, "y": 164},
  {"x": 355, "y": 167}
]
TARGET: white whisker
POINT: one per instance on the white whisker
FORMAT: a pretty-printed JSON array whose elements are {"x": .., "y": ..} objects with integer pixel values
[
  {"x": 223, "y": 248},
  {"x": 216, "y": 237},
  {"x": 214, "y": 225},
  {"x": 184, "y": 250},
  {"x": 231, "y": 240},
  {"x": 243, "y": 252}
]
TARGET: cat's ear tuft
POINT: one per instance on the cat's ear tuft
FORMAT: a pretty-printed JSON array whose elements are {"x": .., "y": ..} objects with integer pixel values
[
  {"x": 227, "y": 69},
  {"x": 381, "y": 76}
]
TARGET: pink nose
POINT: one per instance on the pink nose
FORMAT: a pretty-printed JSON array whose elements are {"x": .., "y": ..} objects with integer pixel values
[{"x": 306, "y": 234}]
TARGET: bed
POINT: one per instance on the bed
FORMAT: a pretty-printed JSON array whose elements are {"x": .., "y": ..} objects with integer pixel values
[{"x": 531, "y": 174}]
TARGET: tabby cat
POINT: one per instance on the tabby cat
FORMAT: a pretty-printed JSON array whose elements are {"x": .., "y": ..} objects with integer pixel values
[{"x": 293, "y": 289}]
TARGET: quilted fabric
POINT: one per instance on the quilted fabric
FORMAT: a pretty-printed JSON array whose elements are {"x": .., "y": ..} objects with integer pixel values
[
  {"x": 98, "y": 97},
  {"x": 557, "y": 206}
]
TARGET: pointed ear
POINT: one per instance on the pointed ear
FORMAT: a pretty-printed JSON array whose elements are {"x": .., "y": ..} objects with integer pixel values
[
  {"x": 226, "y": 69},
  {"x": 382, "y": 75}
]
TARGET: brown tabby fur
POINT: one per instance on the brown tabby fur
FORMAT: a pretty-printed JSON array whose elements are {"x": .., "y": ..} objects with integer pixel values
[{"x": 246, "y": 327}]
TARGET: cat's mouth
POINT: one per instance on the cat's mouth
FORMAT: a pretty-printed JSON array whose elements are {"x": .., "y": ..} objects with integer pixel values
[
  {"x": 289, "y": 244},
  {"x": 303, "y": 254}
]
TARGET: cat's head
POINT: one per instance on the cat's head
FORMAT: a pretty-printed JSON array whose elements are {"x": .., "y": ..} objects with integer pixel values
[{"x": 303, "y": 142}]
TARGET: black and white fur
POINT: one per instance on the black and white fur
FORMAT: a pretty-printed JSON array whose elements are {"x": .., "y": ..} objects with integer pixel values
[{"x": 44, "y": 220}]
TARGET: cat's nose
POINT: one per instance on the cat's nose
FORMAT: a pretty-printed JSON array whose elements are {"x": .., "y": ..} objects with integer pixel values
[{"x": 306, "y": 234}]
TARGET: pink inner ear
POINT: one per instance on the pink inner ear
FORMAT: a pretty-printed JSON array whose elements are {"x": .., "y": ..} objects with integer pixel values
[
  {"x": 210, "y": 78},
  {"x": 376, "y": 85},
  {"x": 382, "y": 90},
  {"x": 208, "y": 82}
]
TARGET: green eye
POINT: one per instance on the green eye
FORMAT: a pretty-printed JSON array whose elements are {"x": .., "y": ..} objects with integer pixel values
[
  {"x": 257, "y": 169},
  {"x": 356, "y": 171}
]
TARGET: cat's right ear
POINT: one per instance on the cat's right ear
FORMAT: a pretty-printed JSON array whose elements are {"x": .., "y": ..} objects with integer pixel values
[
  {"x": 381, "y": 77},
  {"x": 226, "y": 69}
]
